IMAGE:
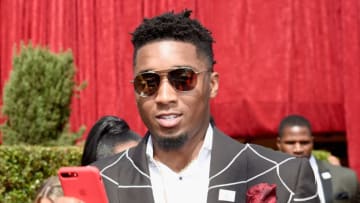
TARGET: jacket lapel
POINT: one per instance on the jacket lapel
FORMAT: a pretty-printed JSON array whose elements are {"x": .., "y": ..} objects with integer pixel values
[
  {"x": 138, "y": 155},
  {"x": 224, "y": 149},
  {"x": 325, "y": 177}
]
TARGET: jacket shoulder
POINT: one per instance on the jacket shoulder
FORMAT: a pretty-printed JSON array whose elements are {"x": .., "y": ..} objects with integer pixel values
[
  {"x": 111, "y": 160},
  {"x": 270, "y": 153}
]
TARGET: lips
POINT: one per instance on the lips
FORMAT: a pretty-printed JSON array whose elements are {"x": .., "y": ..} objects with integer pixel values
[{"x": 168, "y": 120}]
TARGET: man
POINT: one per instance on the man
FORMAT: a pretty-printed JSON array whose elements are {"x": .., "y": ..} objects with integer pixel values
[
  {"x": 183, "y": 158},
  {"x": 335, "y": 183}
]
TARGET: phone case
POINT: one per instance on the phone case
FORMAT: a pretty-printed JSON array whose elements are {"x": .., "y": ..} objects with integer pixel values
[{"x": 83, "y": 182}]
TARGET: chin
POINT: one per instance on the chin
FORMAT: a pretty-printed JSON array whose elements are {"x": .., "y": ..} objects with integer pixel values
[{"x": 170, "y": 143}]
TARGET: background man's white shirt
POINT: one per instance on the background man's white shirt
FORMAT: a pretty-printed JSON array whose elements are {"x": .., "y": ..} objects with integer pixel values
[{"x": 315, "y": 169}]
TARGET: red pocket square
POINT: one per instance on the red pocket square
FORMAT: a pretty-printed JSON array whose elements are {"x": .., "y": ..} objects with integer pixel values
[{"x": 261, "y": 193}]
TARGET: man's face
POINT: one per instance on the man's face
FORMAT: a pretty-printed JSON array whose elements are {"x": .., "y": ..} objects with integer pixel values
[
  {"x": 175, "y": 117},
  {"x": 296, "y": 140}
]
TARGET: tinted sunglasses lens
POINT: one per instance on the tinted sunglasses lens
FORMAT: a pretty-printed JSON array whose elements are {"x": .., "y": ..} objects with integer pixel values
[
  {"x": 182, "y": 79},
  {"x": 146, "y": 84}
]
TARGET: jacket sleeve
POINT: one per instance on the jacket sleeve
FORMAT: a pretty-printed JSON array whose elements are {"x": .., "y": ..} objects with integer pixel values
[{"x": 305, "y": 189}]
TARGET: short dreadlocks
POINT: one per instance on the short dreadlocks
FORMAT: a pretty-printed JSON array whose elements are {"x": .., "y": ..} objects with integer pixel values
[{"x": 177, "y": 27}]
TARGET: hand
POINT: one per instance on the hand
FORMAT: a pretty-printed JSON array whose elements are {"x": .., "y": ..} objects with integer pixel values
[
  {"x": 68, "y": 200},
  {"x": 334, "y": 160}
]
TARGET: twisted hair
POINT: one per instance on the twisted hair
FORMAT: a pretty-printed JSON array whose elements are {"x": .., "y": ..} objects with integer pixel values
[{"x": 177, "y": 27}]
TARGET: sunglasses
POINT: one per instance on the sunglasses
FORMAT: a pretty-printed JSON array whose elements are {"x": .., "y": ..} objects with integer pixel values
[{"x": 181, "y": 79}]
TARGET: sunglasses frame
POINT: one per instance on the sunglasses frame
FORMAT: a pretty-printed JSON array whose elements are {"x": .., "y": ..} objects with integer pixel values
[{"x": 166, "y": 73}]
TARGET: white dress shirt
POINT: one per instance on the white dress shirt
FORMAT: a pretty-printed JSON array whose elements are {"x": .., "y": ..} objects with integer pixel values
[
  {"x": 190, "y": 184},
  {"x": 315, "y": 169}
]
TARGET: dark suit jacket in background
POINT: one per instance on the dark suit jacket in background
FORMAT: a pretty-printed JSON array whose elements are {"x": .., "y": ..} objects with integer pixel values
[
  {"x": 342, "y": 184},
  {"x": 234, "y": 166}
]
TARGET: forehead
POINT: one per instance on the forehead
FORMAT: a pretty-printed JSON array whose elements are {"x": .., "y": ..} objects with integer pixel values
[
  {"x": 296, "y": 132},
  {"x": 165, "y": 54}
]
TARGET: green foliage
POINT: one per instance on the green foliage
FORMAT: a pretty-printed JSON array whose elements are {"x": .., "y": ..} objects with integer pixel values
[
  {"x": 37, "y": 97},
  {"x": 67, "y": 137},
  {"x": 321, "y": 154},
  {"x": 23, "y": 169}
]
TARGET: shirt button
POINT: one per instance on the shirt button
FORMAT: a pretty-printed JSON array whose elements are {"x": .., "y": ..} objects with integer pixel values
[{"x": 180, "y": 178}]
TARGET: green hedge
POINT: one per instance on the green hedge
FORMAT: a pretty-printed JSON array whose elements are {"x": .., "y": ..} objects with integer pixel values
[{"x": 23, "y": 169}]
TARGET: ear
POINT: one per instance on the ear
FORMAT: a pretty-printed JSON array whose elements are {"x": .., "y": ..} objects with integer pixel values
[
  {"x": 214, "y": 84},
  {"x": 278, "y": 140}
]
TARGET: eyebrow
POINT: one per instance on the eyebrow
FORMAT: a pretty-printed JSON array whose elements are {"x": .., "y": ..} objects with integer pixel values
[{"x": 169, "y": 68}]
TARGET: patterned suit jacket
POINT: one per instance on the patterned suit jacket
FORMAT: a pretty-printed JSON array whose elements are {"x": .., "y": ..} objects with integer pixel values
[
  {"x": 340, "y": 184},
  {"x": 234, "y": 167}
]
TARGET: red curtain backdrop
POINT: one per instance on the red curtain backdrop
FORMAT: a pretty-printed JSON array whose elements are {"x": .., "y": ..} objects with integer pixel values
[{"x": 274, "y": 58}]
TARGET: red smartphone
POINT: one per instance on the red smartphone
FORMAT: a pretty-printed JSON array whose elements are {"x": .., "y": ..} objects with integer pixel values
[{"x": 83, "y": 182}]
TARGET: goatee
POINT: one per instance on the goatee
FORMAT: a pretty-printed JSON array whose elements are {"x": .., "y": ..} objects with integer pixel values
[{"x": 170, "y": 143}]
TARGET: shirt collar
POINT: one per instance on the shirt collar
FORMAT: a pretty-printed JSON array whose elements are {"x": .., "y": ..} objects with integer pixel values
[{"x": 313, "y": 162}]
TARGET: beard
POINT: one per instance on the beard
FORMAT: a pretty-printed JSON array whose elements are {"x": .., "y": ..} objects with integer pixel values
[{"x": 170, "y": 143}]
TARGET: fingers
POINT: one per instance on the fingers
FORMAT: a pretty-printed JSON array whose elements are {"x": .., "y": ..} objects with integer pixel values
[{"x": 68, "y": 200}]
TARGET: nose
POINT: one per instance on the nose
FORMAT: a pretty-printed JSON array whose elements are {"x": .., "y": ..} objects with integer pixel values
[
  {"x": 166, "y": 93},
  {"x": 298, "y": 149}
]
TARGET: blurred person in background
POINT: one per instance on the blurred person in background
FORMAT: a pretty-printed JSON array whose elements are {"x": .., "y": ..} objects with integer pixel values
[
  {"x": 108, "y": 136},
  {"x": 335, "y": 184},
  {"x": 49, "y": 191}
]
